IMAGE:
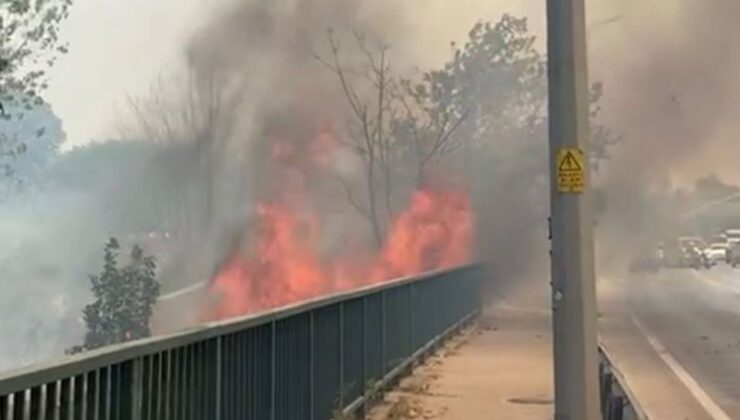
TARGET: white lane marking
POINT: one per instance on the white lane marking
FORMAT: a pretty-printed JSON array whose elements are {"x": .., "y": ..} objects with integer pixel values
[
  {"x": 689, "y": 382},
  {"x": 183, "y": 291}
]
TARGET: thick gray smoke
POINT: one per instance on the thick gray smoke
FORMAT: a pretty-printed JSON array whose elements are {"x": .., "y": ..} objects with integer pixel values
[
  {"x": 255, "y": 71},
  {"x": 677, "y": 93},
  {"x": 672, "y": 68},
  {"x": 669, "y": 73},
  {"x": 272, "y": 86},
  {"x": 251, "y": 74},
  {"x": 183, "y": 183}
]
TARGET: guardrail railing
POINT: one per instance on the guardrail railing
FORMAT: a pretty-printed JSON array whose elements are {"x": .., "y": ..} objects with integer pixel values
[
  {"x": 617, "y": 400},
  {"x": 315, "y": 360}
]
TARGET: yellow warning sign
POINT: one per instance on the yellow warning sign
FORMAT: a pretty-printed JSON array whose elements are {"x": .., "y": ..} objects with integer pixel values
[{"x": 570, "y": 171}]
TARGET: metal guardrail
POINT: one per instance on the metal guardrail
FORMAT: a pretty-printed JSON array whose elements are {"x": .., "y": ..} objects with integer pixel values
[
  {"x": 617, "y": 400},
  {"x": 315, "y": 360}
]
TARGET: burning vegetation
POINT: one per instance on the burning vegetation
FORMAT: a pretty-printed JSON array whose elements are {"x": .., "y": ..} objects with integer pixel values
[
  {"x": 279, "y": 259},
  {"x": 352, "y": 171},
  {"x": 318, "y": 159}
]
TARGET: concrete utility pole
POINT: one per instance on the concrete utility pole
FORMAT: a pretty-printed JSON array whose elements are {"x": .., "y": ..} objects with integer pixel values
[{"x": 573, "y": 284}]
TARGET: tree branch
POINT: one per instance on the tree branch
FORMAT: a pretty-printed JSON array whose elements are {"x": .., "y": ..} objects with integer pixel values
[{"x": 351, "y": 198}]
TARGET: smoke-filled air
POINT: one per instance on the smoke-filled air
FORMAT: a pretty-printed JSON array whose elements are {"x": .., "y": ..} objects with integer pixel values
[
  {"x": 674, "y": 64},
  {"x": 300, "y": 105},
  {"x": 296, "y": 151},
  {"x": 299, "y": 148}
]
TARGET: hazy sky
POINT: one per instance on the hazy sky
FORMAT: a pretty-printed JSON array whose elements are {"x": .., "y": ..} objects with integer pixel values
[{"x": 119, "y": 47}]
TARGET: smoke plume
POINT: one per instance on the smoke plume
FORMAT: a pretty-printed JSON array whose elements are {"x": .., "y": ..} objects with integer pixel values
[
  {"x": 251, "y": 74},
  {"x": 264, "y": 64},
  {"x": 671, "y": 75},
  {"x": 677, "y": 88}
]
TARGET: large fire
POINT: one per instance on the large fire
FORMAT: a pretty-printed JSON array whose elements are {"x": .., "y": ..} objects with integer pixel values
[{"x": 280, "y": 261}]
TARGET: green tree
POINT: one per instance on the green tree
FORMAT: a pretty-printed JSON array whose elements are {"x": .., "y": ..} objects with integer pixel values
[
  {"x": 484, "y": 110},
  {"x": 496, "y": 86},
  {"x": 28, "y": 149},
  {"x": 124, "y": 298},
  {"x": 29, "y": 45}
]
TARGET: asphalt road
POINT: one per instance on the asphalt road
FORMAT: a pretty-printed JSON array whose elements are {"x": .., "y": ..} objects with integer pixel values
[{"x": 692, "y": 321}]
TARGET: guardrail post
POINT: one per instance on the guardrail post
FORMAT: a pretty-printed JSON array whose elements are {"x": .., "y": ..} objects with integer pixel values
[
  {"x": 311, "y": 365},
  {"x": 363, "y": 375},
  {"x": 122, "y": 390},
  {"x": 219, "y": 376},
  {"x": 410, "y": 338},
  {"x": 341, "y": 355},
  {"x": 616, "y": 408},
  {"x": 383, "y": 338},
  {"x": 136, "y": 388},
  {"x": 273, "y": 376},
  {"x": 166, "y": 384},
  {"x": 605, "y": 392},
  {"x": 35, "y": 409}
]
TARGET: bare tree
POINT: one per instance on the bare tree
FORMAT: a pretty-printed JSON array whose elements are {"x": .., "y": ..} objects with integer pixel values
[
  {"x": 392, "y": 122},
  {"x": 373, "y": 111},
  {"x": 191, "y": 118},
  {"x": 188, "y": 110}
]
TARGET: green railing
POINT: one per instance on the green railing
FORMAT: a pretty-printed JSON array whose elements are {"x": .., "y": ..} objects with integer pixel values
[{"x": 315, "y": 360}]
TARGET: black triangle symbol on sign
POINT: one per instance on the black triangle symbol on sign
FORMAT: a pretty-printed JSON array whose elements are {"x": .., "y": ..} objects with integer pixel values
[{"x": 569, "y": 163}]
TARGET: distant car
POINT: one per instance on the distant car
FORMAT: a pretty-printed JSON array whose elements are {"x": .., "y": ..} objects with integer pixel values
[
  {"x": 733, "y": 255},
  {"x": 719, "y": 238},
  {"x": 693, "y": 257},
  {"x": 733, "y": 236},
  {"x": 716, "y": 253},
  {"x": 692, "y": 241}
]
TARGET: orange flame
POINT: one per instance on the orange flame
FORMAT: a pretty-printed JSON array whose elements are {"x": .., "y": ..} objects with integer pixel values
[
  {"x": 434, "y": 232},
  {"x": 282, "y": 262}
]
